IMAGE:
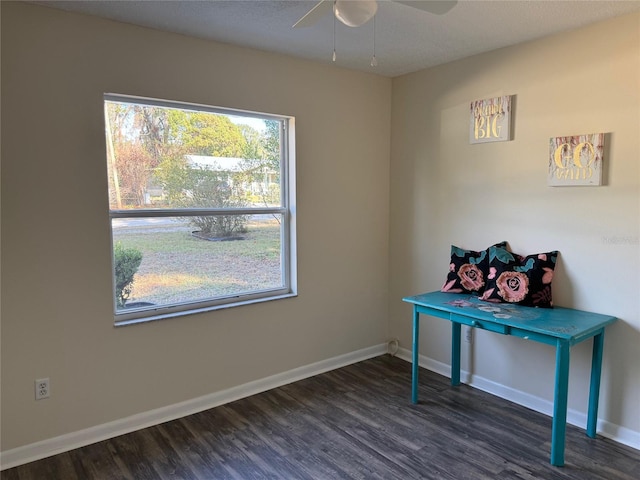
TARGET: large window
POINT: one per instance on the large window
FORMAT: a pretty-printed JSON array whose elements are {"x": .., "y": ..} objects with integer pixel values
[{"x": 200, "y": 202}]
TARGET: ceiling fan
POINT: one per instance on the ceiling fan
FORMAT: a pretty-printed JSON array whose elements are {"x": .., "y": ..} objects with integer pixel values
[{"x": 355, "y": 13}]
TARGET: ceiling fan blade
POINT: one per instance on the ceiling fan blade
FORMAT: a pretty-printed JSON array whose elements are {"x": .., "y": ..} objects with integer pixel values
[
  {"x": 438, "y": 7},
  {"x": 322, "y": 8}
]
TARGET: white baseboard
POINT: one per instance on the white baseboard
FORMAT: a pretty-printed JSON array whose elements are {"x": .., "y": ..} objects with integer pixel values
[
  {"x": 64, "y": 443},
  {"x": 610, "y": 430}
]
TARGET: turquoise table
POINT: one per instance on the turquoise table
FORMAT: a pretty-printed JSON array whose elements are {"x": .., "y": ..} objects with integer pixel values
[{"x": 560, "y": 327}]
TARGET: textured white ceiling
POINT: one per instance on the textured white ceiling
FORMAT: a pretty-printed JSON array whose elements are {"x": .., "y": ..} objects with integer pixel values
[{"x": 406, "y": 39}]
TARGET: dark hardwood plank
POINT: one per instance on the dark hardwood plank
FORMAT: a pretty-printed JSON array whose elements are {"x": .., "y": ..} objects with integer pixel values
[{"x": 356, "y": 422}]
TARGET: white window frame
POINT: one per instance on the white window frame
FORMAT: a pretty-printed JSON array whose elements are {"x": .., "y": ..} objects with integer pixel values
[{"x": 287, "y": 213}]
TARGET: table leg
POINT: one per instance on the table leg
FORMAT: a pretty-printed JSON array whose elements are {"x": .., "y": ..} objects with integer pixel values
[
  {"x": 559, "y": 425},
  {"x": 414, "y": 366},
  {"x": 594, "y": 388},
  {"x": 455, "y": 353}
]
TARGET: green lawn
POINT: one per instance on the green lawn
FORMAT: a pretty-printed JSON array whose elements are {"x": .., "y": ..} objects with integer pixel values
[{"x": 178, "y": 267}]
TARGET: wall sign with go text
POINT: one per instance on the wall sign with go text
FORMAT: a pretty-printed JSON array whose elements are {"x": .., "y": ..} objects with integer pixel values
[
  {"x": 490, "y": 120},
  {"x": 576, "y": 160}
]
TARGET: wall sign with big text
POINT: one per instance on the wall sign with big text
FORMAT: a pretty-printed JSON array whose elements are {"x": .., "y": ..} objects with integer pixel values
[
  {"x": 490, "y": 120},
  {"x": 576, "y": 160}
]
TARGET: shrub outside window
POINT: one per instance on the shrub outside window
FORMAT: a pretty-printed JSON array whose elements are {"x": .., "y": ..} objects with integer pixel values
[{"x": 200, "y": 203}]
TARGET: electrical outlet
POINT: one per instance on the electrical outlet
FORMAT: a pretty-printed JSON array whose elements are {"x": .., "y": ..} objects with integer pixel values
[
  {"x": 42, "y": 388},
  {"x": 469, "y": 335},
  {"x": 393, "y": 346}
]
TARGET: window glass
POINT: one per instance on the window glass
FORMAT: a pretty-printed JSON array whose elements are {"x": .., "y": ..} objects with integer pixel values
[{"x": 200, "y": 211}]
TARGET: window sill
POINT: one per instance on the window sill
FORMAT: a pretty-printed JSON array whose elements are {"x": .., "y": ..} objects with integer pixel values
[{"x": 162, "y": 316}]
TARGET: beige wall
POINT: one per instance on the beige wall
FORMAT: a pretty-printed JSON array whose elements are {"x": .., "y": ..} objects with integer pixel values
[
  {"x": 57, "y": 317},
  {"x": 444, "y": 191}
]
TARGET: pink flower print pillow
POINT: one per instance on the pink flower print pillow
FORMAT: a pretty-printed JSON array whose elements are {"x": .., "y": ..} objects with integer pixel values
[
  {"x": 522, "y": 280},
  {"x": 467, "y": 270}
]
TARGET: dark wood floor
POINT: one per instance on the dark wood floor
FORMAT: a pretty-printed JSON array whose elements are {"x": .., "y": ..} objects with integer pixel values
[{"x": 353, "y": 423}]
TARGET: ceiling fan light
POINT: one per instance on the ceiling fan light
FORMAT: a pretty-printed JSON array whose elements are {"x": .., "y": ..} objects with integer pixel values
[{"x": 355, "y": 13}]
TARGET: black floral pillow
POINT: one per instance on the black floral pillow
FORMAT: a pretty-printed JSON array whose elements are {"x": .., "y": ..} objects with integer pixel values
[
  {"x": 522, "y": 280},
  {"x": 468, "y": 270}
]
